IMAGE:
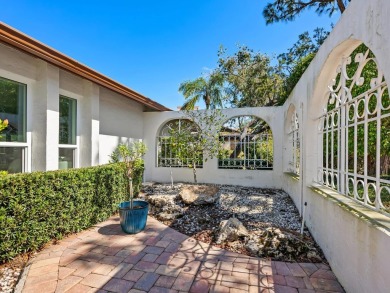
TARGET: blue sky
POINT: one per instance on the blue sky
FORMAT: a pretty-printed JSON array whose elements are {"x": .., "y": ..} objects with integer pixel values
[{"x": 153, "y": 46}]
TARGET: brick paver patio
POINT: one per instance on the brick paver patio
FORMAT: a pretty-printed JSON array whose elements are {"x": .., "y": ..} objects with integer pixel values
[{"x": 160, "y": 259}]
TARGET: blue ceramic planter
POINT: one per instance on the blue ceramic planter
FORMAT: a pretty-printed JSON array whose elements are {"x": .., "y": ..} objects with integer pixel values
[{"x": 133, "y": 220}]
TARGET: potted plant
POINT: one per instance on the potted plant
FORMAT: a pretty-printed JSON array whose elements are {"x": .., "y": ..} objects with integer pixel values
[{"x": 133, "y": 213}]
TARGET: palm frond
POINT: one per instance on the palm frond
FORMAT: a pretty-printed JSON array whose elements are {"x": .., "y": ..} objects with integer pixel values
[{"x": 190, "y": 104}]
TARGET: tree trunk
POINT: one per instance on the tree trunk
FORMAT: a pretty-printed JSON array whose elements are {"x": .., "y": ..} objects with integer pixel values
[
  {"x": 131, "y": 192},
  {"x": 207, "y": 101},
  {"x": 385, "y": 166},
  {"x": 194, "y": 171},
  {"x": 341, "y": 5},
  {"x": 243, "y": 136},
  {"x": 371, "y": 166}
]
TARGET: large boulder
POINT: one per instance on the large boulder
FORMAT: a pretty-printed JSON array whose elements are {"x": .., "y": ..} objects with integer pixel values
[
  {"x": 199, "y": 194},
  {"x": 231, "y": 230},
  {"x": 164, "y": 207},
  {"x": 281, "y": 245},
  {"x": 161, "y": 200},
  {"x": 252, "y": 245}
]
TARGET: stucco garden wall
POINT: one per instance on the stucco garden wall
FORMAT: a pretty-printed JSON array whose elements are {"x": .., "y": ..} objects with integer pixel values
[
  {"x": 210, "y": 172},
  {"x": 354, "y": 239}
]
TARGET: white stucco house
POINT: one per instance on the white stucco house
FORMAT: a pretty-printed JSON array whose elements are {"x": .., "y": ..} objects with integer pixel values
[
  {"x": 327, "y": 139},
  {"x": 61, "y": 113}
]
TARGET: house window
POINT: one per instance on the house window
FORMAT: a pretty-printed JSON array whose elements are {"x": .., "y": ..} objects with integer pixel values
[
  {"x": 67, "y": 133},
  {"x": 13, "y": 141},
  {"x": 168, "y": 148},
  {"x": 294, "y": 142},
  {"x": 354, "y": 132},
  {"x": 247, "y": 144}
]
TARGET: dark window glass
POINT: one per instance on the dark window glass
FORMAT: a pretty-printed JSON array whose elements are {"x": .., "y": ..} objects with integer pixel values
[
  {"x": 68, "y": 122},
  {"x": 11, "y": 159}
]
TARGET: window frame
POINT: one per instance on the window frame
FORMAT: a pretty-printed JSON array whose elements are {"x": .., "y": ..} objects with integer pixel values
[
  {"x": 75, "y": 146},
  {"x": 26, "y": 145}
]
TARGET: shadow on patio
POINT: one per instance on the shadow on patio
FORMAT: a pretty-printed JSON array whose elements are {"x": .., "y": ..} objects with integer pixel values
[{"x": 160, "y": 259}]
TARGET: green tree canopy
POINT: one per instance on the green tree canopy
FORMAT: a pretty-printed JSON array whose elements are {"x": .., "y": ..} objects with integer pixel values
[
  {"x": 306, "y": 45},
  {"x": 297, "y": 59},
  {"x": 251, "y": 78},
  {"x": 287, "y": 10}
]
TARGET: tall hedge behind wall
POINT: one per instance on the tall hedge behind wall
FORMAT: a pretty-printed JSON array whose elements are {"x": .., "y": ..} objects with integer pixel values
[{"x": 40, "y": 206}]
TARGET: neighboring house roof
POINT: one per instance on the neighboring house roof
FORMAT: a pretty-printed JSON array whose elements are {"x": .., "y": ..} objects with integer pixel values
[{"x": 14, "y": 38}]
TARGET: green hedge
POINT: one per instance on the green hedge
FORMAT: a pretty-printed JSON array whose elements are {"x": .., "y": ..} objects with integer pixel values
[{"x": 40, "y": 206}]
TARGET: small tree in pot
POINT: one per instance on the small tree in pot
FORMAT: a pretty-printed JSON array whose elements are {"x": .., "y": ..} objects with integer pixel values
[{"x": 133, "y": 214}]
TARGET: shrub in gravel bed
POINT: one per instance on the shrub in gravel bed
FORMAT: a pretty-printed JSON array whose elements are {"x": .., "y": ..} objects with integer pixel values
[{"x": 40, "y": 206}]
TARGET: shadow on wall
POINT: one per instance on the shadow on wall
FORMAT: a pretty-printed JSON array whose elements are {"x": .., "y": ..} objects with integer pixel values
[{"x": 107, "y": 144}]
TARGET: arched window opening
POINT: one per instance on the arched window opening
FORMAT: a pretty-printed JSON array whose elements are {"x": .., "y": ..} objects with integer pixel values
[
  {"x": 247, "y": 144},
  {"x": 294, "y": 144},
  {"x": 170, "y": 150},
  {"x": 354, "y": 132}
]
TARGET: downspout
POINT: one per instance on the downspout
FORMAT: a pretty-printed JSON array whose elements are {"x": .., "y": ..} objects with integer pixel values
[
  {"x": 301, "y": 169},
  {"x": 301, "y": 158}
]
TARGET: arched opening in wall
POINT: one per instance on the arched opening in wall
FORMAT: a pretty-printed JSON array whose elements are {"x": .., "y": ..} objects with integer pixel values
[
  {"x": 247, "y": 144},
  {"x": 293, "y": 149},
  {"x": 354, "y": 132},
  {"x": 171, "y": 149}
]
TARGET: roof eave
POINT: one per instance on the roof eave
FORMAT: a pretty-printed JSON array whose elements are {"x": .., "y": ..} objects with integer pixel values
[{"x": 14, "y": 38}]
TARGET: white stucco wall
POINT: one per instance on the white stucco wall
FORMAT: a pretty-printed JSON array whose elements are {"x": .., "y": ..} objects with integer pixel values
[
  {"x": 210, "y": 172},
  {"x": 121, "y": 121},
  {"x": 356, "y": 243},
  {"x": 18, "y": 63}
]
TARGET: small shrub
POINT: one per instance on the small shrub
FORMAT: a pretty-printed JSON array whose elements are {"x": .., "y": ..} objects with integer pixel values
[
  {"x": 131, "y": 157},
  {"x": 40, "y": 206}
]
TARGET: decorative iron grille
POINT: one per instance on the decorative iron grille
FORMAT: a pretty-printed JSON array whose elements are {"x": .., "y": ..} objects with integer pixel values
[
  {"x": 247, "y": 144},
  {"x": 253, "y": 152},
  {"x": 167, "y": 156},
  {"x": 354, "y": 133}
]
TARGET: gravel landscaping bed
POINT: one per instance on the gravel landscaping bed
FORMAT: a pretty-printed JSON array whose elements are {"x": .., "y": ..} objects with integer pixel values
[
  {"x": 270, "y": 217},
  {"x": 10, "y": 272}
]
